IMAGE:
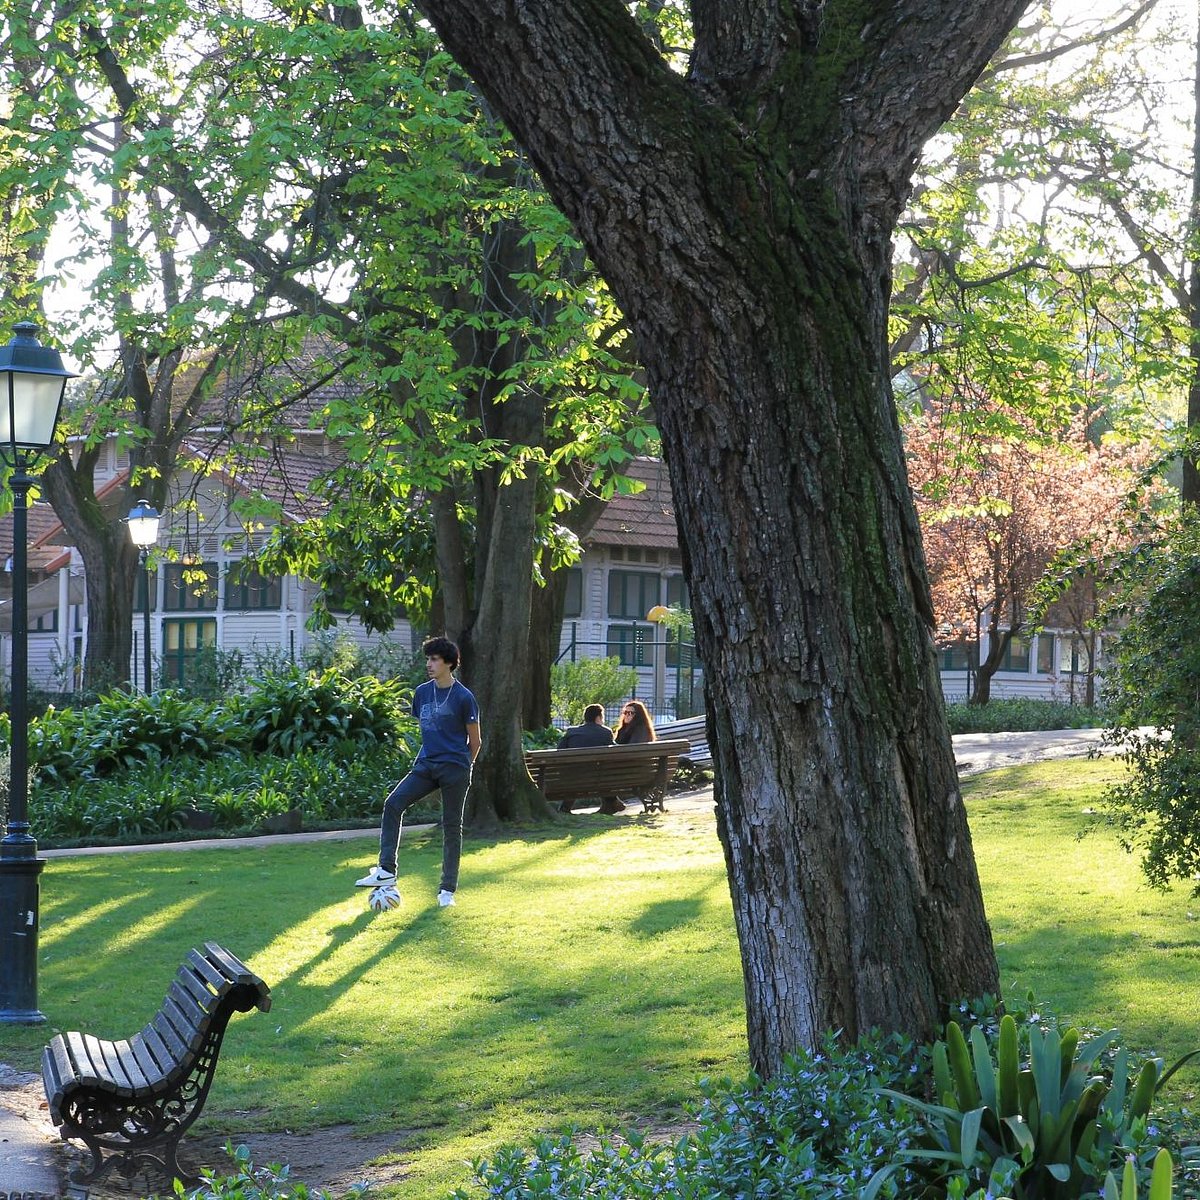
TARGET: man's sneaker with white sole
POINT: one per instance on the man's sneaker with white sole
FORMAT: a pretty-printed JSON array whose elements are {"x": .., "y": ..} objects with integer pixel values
[{"x": 376, "y": 877}]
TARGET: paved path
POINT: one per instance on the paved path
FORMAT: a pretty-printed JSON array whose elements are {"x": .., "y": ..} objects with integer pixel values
[{"x": 29, "y": 1169}]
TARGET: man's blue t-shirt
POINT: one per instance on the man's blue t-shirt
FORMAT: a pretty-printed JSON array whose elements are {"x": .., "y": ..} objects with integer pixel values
[{"x": 444, "y": 714}]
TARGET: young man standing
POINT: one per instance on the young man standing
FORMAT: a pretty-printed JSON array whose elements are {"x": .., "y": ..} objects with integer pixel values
[{"x": 449, "y": 720}]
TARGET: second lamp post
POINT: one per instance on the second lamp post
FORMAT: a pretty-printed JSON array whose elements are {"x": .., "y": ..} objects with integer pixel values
[{"x": 143, "y": 522}]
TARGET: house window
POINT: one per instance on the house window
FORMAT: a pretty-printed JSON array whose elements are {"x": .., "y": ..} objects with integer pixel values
[
  {"x": 246, "y": 588},
  {"x": 1016, "y": 656},
  {"x": 628, "y": 643},
  {"x": 190, "y": 587},
  {"x": 631, "y": 594},
  {"x": 955, "y": 656},
  {"x": 183, "y": 639},
  {"x": 573, "y": 605},
  {"x": 677, "y": 592},
  {"x": 46, "y": 622},
  {"x": 1080, "y": 662},
  {"x": 1045, "y": 654}
]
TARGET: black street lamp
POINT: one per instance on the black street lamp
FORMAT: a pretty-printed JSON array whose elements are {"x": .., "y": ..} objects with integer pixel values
[
  {"x": 143, "y": 522},
  {"x": 32, "y": 382}
]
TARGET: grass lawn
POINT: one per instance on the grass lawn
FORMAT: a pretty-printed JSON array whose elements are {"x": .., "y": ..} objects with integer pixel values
[
  {"x": 588, "y": 975},
  {"x": 1074, "y": 920}
]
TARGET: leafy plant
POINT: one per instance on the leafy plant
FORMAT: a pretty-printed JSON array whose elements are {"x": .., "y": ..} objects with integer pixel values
[
  {"x": 248, "y": 1182},
  {"x": 575, "y": 685},
  {"x": 1160, "y": 1180},
  {"x": 1151, "y": 686},
  {"x": 1049, "y": 1128}
]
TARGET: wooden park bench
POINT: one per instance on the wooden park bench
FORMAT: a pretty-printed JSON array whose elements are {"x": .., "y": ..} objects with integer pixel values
[
  {"x": 643, "y": 770},
  {"x": 135, "y": 1099}
]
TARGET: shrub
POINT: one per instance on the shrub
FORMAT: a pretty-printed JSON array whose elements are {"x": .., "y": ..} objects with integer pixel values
[
  {"x": 818, "y": 1130},
  {"x": 575, "y": 685},
  {"x": 123, "y": 729},
  {"x": 1020, "y": 716},
  {"x": 155, "y": 800},
  {"x": 1153, "y": 679},
  {"x": 294, "y": 709}
]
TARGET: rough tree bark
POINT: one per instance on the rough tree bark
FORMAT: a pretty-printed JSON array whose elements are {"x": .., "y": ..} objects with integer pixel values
[{"x": 742, "y": 216}]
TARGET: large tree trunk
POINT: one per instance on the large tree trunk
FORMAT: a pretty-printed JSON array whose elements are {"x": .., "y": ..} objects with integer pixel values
[{"x": 742, "y": 218}]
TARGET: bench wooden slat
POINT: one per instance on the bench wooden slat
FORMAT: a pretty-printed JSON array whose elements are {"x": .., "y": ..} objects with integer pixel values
[
  {"x": 87, "y": 1068},
  {"x": 176, "y": 1047},
  {"x": 150, "y": 1042},
  {"x": 189, "y": 1019},
  {"x": 197, "y": 988},
  {"x": 57, "y": 1072},
  {"x": 131, "y": 1066},
  {"x": 217, "y": 980},
  {"x": 109, "y": 1054},
  {"x": 149, "y": 1064}
]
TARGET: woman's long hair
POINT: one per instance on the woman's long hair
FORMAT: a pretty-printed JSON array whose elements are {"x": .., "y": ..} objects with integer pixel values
[{"x": 639, "y": 728}]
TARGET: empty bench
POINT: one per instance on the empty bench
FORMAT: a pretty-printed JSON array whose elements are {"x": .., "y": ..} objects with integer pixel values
[
  {"x": 642, "y": 770},
  {"x": 131, "y": 1101}
]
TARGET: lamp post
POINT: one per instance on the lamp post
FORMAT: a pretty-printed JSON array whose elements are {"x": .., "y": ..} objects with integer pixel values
[
  {"x": 660, "y": 615},
  {"x": 32, "y": 382},
  {"x": 143, "y": 522}
]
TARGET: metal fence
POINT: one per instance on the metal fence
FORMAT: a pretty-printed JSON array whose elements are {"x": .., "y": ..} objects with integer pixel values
[{"x": 670, "y": 678}]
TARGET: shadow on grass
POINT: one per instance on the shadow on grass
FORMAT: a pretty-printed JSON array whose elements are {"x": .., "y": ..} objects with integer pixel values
[{"x": 572, "y": 967}]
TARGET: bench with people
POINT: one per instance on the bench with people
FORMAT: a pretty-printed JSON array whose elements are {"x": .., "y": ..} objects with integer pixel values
[{"x": 593, "y": 763}]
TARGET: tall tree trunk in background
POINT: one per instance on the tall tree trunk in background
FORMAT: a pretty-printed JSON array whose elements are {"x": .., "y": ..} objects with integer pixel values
[
  {"x": 545, "y": 634},
  {"x": 499, "y": 643},
  {"x": 492, "y": 626},
  {"x": 110, "y": 566},
  {"x": 1191, "y": 473},
  {"x": 742, "y": 218}
]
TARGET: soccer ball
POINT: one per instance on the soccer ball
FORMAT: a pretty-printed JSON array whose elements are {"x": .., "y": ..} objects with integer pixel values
[{"x": 384, "y": 897}]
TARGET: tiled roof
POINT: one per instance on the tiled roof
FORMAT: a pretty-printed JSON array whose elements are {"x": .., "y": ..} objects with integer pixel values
[
  {"x": 284, "y": 472},
  {"x": 644, "y": 519}
]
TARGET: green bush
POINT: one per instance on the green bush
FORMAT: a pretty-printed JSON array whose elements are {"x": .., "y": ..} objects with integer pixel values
[
  {"x": 123, "y": 729},
  {"x": 294, "y": 709},
  {"x": 1153, "y": 680},
  {"x": 134, "y": 767},
  {"x": 280, "y": 714},
  {"x": 1020, "y": 716},
  {"x": 818, "y": 1130},
  {"x": 575, "y": 685},
  {"x": 329, "y": 785}
]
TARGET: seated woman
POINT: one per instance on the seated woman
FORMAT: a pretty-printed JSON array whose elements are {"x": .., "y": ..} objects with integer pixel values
[{"x": 636, "y": 726}]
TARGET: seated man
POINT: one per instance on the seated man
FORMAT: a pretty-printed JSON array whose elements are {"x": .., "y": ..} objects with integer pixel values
[{"x": 593, "y": 731}]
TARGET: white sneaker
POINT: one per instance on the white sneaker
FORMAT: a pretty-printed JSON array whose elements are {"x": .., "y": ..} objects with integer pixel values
[
  {"x": 375, "y": 877},
  {"x": 446, "y": 899}
]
